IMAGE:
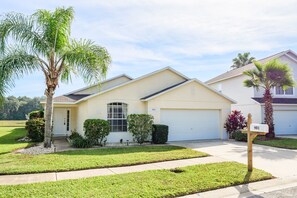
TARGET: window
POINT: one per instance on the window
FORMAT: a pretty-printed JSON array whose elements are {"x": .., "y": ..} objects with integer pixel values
[
  {"x": 117, "y": 116},
  {"x": 280, "y": 91}
]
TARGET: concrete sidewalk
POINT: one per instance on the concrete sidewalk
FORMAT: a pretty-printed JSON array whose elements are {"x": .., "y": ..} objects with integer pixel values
[
  {"x": 56, "y": 176},
  {"x": 255, "y": 189}
]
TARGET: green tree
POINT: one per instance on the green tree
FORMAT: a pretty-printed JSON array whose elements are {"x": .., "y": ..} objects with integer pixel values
[
  {"x": 267, "y": 76},
  {"x": 41, "y": 42},
  {"x": 242, "y": 60}
]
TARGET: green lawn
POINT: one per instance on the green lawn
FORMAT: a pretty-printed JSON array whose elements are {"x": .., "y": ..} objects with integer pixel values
[
  {"x": 156, "y": 183},
  {"x": 12, "y": 123},
  {"x": 288, "y": 143},
  {"x": 11, "y": 163}
]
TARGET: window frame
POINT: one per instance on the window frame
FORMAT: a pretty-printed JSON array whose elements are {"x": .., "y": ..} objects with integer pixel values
[
  {"x": 284, "y": 92},
  {"x": 118, "y": 115}
]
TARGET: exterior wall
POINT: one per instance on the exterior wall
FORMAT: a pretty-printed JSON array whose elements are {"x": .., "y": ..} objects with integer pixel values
[
  {"x": 234, "y": 89},
  {"x": 191, "y": 96},
  {"x": 82, "y": 115},
  {"x": 104, "y": 86},
  {"x": 254, "y": 109},
  {"x": 130, "y": 94}
]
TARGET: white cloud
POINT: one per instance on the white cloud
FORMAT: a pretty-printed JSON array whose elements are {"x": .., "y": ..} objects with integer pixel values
[{"x": 144, "y": 35}]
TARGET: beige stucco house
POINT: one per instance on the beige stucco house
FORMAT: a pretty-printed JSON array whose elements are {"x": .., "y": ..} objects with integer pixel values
[
  {"x": 191, "y": 109},
  {"x": 249, "y": 100}
]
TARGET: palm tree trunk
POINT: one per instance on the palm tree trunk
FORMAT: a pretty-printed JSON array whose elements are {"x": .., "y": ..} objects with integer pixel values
[
  {"x": 48, "y": 118},
  {"x": 269, "y": 113}
]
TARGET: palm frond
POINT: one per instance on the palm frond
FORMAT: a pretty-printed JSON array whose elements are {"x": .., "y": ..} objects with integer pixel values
[
  {"x": 14, "y": 64},
  {"x": 23, "y": 30},
  {"x": 56, "y": 26},
  {"x": 89, "y": 60}
]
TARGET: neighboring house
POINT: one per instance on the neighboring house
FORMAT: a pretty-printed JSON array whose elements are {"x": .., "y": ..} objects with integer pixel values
[
  {"x": 249, "y": 100},
  {"x": 191, "y": 109}
]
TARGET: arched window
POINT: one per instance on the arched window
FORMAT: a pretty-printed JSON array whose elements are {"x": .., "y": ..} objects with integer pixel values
[{"x": 117, "y": 116}]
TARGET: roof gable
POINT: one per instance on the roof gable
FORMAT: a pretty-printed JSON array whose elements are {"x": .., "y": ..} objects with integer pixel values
[
  {"x": 239, "y": 71},
  {"x": 137, "y": 80},
  {"x": 170, "y": 89}
]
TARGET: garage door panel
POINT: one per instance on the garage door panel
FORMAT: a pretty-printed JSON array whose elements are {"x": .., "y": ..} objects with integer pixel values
[
  {"x": 285, "y": 122},
  {"x": 191, "y": 124}
]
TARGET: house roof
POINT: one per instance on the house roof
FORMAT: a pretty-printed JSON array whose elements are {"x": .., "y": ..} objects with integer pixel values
[
  {"x": 157, "y": 94},
  {"x": 134, "y": 80},
  {"x": 163, "y": 90},
  {"x": 278, "y": 100},
  {"x": 239, "y": 71},
  {"x": 69, "y": 98},
  {"x": 104, "y": 81}
]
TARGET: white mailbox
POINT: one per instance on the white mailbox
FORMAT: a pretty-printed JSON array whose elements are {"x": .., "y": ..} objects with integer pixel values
[{"x": 259, "y": 128}]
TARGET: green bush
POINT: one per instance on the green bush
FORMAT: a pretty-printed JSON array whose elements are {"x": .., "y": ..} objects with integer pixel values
[
  {"x": 74, "y": 134},
  {"x": 160, "y": 134},
  {"x": 96, "y": 130},
  {"x": 79, "y": 142},
  {"x": 35, "y": 128},
  {"x": 140, "y": 125},
  {"x": 36, "y": 114},
  {"x": 239, "y": 136}
]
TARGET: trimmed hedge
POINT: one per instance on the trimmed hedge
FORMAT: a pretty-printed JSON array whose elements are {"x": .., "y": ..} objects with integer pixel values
[
  {"x": 36, "y": 114},
  {"x": 160, "y": 134},
  {"x": 35, "y": 128},
  {"x": 96, "y": 130},
  {"x": 140, "y": 125}
]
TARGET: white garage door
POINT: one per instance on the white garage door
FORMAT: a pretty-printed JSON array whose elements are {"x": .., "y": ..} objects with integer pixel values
[
  {"x": 285, "y": 122},
  {"x": 191, "y": 124}
]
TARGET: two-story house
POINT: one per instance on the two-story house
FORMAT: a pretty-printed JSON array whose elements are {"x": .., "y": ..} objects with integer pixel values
[{"x": 249, "y": 100}]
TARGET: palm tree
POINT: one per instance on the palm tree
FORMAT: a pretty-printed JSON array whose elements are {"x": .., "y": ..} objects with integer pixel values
[
  {"x": 41, "y": 42},
  {"x": 242, "y": 60},
  {"x": 267, "y": 76}
]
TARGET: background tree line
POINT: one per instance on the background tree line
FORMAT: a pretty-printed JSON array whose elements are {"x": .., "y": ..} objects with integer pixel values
[{"x": 16, "y": 108}]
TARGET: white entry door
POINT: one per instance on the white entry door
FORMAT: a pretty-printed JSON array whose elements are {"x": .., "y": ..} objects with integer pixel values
[
  {"x": 191, "y": 124},
  {"x": 61, "y": 122}
]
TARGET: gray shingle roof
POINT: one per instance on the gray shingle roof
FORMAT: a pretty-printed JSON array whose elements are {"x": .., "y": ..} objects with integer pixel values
[
  {"x": 70, "y": 97},
  {"x": 239, "y": 71},
  {"x": 278, "y": 100}
]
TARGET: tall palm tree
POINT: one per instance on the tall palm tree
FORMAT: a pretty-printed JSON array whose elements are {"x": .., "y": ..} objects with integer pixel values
[
  {"x": 242, "y": 60},
  {"x": 41, "y": 42},
  {"x": 267, "y": 76}
]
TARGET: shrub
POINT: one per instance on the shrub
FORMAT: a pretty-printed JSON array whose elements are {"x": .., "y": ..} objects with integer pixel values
[
  {"x": 74, "y": 134},
  {"x": 36, "y": 114},
  {"x": 239, "y": 136},
  {"x": 160, "y": 134},
  {"x": 96, "y": 130},
  {"x": 140, "y": 125},
  {"x": 234, "y": 122},
  {"x": 80, "y": 142},
  {"x": 35, "y": 128}
]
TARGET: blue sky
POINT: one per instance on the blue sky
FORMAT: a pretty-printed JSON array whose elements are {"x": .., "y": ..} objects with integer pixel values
[{"x": 197, "y": 38}]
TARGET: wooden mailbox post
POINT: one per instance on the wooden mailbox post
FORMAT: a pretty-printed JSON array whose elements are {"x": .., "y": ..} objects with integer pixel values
[{"x": 252, "y": 131}]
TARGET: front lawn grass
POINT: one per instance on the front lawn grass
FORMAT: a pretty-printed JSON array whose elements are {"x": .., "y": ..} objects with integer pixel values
[
  {"x": 11, "y": 163},
  {"x": 155, "y": 183},
  {"x": 287, "y": 143}
]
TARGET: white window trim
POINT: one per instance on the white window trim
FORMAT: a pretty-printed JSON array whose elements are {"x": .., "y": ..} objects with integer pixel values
[
  {"x": 117, "y": 118},
  {"x": 284, "y": 95}
]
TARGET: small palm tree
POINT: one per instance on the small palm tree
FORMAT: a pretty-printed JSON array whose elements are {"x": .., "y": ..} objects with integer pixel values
[
  {"x": 242, "y": 60},
  {"x": 267, "y": 76},
  {"x": 41, "y": 42}
]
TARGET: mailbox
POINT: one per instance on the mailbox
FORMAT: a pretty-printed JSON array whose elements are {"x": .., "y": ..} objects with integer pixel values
[{"x": 259, "y": 128}]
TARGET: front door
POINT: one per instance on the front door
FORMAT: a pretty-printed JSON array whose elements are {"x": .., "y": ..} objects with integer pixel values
[{"x": 61, "y": 122}]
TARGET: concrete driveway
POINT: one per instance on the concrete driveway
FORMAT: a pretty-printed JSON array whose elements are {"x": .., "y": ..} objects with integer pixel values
[{"x": 279, "y": 162}]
